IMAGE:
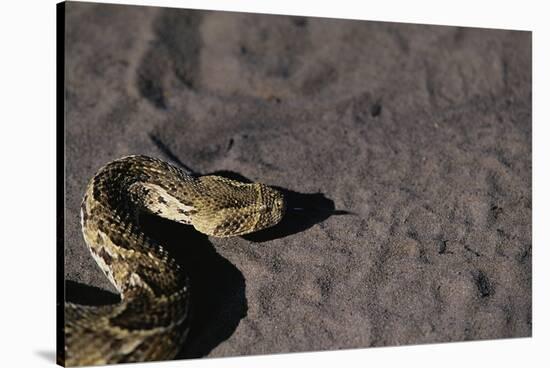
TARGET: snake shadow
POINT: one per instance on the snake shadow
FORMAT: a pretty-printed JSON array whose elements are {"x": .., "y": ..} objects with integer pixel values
[{"x": 78, "y": 293}]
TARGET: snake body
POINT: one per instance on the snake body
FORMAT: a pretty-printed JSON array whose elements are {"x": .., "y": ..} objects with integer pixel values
[{"x": 152, "y": 319}]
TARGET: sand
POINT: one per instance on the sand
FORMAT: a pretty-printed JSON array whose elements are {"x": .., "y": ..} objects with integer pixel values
[{"x": 407, "y": 146}]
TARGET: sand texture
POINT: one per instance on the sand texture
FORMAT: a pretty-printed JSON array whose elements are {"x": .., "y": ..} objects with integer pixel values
[{"x": 407, "y": 146}]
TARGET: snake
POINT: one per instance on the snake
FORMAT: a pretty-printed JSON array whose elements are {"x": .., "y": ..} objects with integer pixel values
[{"x": 152, "y": 320}]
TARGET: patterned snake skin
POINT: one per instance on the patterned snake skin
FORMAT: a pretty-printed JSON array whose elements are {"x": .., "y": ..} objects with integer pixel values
[{"x": 151, "y": 321}]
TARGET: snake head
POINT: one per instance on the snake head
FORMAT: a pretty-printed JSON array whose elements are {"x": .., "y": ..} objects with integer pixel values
[{"x": 233, "y": 208}]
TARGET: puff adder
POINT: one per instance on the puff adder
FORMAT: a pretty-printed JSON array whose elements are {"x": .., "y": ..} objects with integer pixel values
[{"x": 151, "y": 321}]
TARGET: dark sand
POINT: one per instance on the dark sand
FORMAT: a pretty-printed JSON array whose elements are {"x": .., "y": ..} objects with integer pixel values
[{"x": 422, "y": 132}]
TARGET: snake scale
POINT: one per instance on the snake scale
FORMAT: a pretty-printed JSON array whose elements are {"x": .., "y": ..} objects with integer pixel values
[{"x": 151, "y": 321}]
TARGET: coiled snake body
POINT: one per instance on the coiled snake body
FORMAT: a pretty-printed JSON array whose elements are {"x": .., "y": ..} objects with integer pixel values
[{"x": 151, "y": 320}]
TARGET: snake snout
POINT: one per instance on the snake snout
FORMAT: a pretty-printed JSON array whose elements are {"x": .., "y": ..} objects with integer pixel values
[{"x": 276, "y": 206}]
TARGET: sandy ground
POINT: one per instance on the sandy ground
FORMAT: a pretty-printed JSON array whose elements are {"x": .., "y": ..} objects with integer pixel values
[{"x": 421, "y": 133}]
